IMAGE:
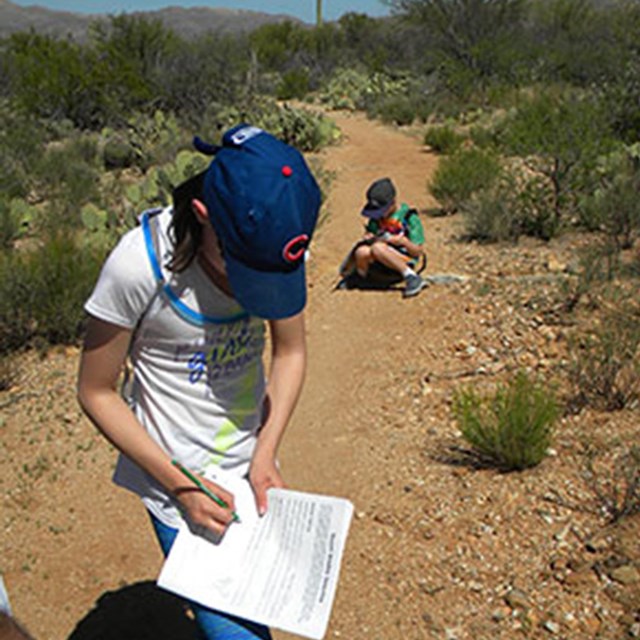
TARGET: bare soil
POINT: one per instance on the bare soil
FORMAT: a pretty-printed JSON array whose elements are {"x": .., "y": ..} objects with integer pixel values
[{"x": 439, "y": 547}]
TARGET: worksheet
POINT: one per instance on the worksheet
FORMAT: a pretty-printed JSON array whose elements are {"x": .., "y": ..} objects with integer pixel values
[{"x": 280, "y": 570}]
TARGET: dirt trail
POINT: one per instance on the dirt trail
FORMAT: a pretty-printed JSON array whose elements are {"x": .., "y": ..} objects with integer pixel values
[
  {"x": 362, "y": 352},
  {"x": 437, "y": 549},
  {"x": 349, "y": 332}
]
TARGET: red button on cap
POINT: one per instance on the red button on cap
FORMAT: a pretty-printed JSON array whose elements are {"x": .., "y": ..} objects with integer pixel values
[{"x": 287, "y": 171}]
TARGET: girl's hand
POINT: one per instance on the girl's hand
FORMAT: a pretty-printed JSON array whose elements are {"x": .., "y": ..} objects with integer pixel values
[
  {"x": 202, "y": 510},
  {"x": 263, "y": 475}
]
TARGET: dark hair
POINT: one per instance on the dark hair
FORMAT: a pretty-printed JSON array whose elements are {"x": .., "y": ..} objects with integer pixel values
[
  {"x": 185, "y": 229},
  {"x": 11, "y": 629}
]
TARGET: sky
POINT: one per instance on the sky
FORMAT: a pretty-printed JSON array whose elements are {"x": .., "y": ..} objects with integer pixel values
[{"x": 302, "y": 9}]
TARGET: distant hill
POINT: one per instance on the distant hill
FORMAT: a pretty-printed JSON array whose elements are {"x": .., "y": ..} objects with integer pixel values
[{"x": 185, "y": 22}]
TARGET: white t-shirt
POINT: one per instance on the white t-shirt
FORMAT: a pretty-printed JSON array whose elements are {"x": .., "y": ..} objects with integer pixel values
[{"x": 197, "y": 390}]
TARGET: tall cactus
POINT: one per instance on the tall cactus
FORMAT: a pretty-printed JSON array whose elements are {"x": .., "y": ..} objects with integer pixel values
[{"x": 318, "y": 13}]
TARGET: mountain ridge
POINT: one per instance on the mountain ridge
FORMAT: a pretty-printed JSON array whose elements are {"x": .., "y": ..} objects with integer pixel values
[{"x": 186, "y": 22}]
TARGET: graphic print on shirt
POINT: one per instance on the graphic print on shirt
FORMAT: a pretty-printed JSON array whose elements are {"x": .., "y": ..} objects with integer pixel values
[
  {"x": 243, "y": 404},
  {"x": 228, "y": 350}
]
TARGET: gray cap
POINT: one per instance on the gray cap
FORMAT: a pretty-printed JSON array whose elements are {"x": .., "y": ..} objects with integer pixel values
[{"x": 380, "y": 197}]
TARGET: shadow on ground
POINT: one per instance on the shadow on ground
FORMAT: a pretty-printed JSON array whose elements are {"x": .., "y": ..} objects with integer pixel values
[{"x": 139, "y": 611}]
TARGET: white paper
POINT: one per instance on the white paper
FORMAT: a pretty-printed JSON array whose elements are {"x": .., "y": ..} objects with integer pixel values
[{"x": 280, "y": 570}]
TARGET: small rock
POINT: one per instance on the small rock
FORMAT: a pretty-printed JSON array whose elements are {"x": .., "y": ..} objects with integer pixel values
[
  {"x": 551, "y": 626},
  {"x": 517, "y": 599},
  {"x": 556, "y": 266},
  {"x": 499, "y": 614},
  {"x": 627, "y": 574}
]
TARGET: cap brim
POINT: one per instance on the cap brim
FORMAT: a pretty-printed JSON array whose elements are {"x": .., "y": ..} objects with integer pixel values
[
  {"x": 271, "y": 295},
  {"x": 376, "y": 214}
]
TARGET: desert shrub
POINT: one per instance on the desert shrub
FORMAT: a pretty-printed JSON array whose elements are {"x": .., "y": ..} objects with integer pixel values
[
  {"x": 353, "y": 88},
  {"x": 616, "y": 487},
  {"x": 617, "y": 208},
  {"x": 511, "y": 429},
  {"x": 118, "y": 152},
  {"x": 613, "y": 206},
  {"x": 493, "y": 215},
  {"x": 9, "y": 223},
  {"x": 345, "y": 89},
  {"x": 597, "y": 265},
  {"x": 605, "y": 359},
  {"x": 294, "y": 84},
  {"x": 154, "y": 139},
  {"x": 443, "y": 139},
  {"x": 300, "y": 128},
  {"x": 22, "y": 141},
  {"x": 559, "y": 137},
  {"x": 67, "y": 177},
  {"x": 42, "y": 292},
  {"x": 483, "y": 137},
  {"x": 460, "y": 175},
  {"x": 8, "y": 373},
  {"x": 399, "y": 110}
]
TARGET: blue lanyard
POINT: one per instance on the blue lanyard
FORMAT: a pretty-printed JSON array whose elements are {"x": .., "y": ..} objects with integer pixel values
[{"x": 185, "y": 312}]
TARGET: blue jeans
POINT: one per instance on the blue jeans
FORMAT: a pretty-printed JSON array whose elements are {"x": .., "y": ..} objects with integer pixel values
[{"x": 214, "y": 625}]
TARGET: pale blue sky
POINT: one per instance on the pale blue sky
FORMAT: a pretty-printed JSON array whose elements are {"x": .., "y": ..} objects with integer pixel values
[{"x": 302, "y": 9}]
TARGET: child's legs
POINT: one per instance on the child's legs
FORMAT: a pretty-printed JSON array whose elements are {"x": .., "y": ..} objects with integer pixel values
[
  {"x": 389, "y": 257},
  {"x": 214, "y": 625}
]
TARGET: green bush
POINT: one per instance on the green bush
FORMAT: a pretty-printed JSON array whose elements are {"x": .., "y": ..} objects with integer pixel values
[
  {"x": 492, "y": 215},
  {"x": 613, "y": 206},
  {"x": 117, "y": 152},
  {"x": 483, "y": 137},
  {"x": 559, "y": 137},
  {"x": 42, "y": 293},
  {"x": 67, "y": 177},
  {"x": 443, "y": 139},
  {"x": 301, "y": 128},
  {"x": 460, "y": 175},
  {"x": 398, "y": 110},
  {"x": 511, "y": 429},
  {"x": 294, "y": 84},
  {"x": 22, "y": 142},
  {"x": 345, "y": 89},
  {"x": 604, "y": 369},
  {"x": 10, "y": 223}
]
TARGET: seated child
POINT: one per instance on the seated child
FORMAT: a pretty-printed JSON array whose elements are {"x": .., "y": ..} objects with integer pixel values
[{"x": 393, "y": 237}]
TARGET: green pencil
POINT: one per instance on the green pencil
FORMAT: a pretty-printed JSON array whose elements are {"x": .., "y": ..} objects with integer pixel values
[{"x": 207, "y": 492}]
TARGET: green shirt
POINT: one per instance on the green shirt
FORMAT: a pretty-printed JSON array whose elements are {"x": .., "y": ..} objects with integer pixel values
[{"x": 411, "y": 224}]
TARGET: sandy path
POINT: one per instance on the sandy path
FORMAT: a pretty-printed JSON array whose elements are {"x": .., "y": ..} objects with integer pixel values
[
  {"x": 354, "y": 343},
  {"x": 346, "y": 328}
]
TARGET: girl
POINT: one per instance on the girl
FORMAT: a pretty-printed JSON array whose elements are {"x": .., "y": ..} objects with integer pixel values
[{"x": 184, "y": 296}]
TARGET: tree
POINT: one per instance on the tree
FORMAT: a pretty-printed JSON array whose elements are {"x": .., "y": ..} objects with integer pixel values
[
  {"x": 476, "y": 39},
  {"x": 559, "y": 138},
  {"x": 56, "y": 79},
  {"x": 133, "y": 51}
]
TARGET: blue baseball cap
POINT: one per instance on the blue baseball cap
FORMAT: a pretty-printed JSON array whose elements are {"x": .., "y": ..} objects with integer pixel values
[{"x": 263, "y": 203}]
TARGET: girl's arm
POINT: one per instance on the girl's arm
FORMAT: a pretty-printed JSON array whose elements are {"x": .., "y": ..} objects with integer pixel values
[
  {"x": 105, "y": 350},
  {"x": 286, "y": 376}
]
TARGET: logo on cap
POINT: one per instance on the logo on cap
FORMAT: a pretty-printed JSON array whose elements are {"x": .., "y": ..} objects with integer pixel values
[
  {"x": 295, "y": 248},
  {"x": 244, "y": 134}
]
